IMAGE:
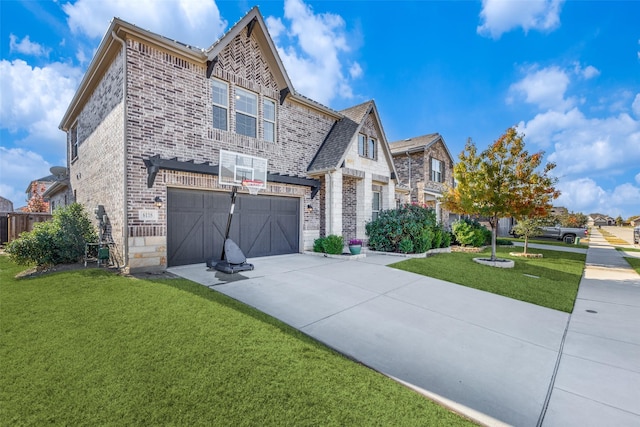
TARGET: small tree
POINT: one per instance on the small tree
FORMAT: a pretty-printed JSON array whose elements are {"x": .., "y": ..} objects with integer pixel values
[
  {"x": 528, "y": 227},
  {"x": 36, "y": 203},
  {"x": 619, "y": 221},
  {"x": 501, "y": 181}
]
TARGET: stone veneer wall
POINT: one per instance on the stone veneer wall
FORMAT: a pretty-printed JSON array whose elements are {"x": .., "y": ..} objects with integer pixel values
[{"x": 417, "y": 171}]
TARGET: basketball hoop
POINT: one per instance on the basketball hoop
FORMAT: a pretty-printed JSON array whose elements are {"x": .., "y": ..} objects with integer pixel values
[{"x": 253, "y": 185}]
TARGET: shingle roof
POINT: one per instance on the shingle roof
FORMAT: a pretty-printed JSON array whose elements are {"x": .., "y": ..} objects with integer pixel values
[
  {"x": 334, "y": 146},
  {"x": 337, "y": 142},
  {"x": 410, "y": 144}
]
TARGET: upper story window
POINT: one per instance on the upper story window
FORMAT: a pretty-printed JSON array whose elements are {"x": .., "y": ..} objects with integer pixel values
[
  {"x": 436, "y": 170},
  {"x": 246, "y": 113},
  {"x": 269, "y": 120},
  {"x": 362, "y": 144},
  {"x": 73, "y": 140},
  {"x": 220, "y": 104},
  {"x": 371, "y": 148}
]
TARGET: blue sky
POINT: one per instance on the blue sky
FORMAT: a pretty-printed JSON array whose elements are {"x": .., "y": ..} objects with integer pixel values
[{"x": 567, "y": 73}]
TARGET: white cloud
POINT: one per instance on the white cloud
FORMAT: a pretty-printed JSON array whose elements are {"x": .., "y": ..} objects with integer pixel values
[
  {"x": 586, "y": 73},
  {"x": 586, "y": 196},
  {"x": 545, "y": 88},
  {"x": 638, "y": 178},
  {"x": 194, "y": 22},
  {"x": 501, "y": 16},
  {"x": 310, "y": 49},
  {"x": 26, "y": 46},
  {"x": 582, "y": 144},
  {"x": 34, "y": 100},
  {"x": 19, "y": 167},
  {"x": 635, "y": 107}
]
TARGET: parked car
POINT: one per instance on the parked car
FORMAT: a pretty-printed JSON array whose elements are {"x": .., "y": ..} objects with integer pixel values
[
  {"x": 566, "y": 234},
  {"x": 636, "y": 235}
]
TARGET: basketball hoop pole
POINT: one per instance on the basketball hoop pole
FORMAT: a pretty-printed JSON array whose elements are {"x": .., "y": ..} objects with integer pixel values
[{"x": 233, "y": 205}]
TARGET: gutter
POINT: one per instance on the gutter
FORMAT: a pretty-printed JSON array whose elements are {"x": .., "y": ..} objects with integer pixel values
[{"x": 125, "y": 228}]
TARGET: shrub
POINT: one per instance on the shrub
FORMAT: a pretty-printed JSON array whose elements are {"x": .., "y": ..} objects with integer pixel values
[
  {"x": 438, "y": 233},
  {"x": 423, "y": 242},
  {"x": 446, "y": 239},
  {"x": 413, "y": 222},
  {"x": 333, "y": 244},
  {"x": 318, "y": 244},
  {"x": 406, "y": 246},
  {"x": 57, "y": 241},
  {"x": 504, "y": 242},
  {"x": 470, "y": 233}
]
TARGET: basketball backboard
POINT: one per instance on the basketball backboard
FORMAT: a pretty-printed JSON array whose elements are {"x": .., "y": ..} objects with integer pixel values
[{"x": 236, "y": 168}]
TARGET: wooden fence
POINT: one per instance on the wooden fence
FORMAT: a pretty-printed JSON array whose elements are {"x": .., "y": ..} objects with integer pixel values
[{"x": 19, "y": 222}]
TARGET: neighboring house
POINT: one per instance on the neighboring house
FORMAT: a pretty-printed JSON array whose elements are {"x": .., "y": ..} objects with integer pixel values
[
  {"x": 144, "y": 134},
  {"x": 425, "y": 164},
  {"x": 59, "y": 193},
  {"x": 41, "y": 185},
  {"x": 597, "y": 220}
]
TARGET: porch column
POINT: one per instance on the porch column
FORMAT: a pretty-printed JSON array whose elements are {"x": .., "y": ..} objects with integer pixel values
[
  {"x": 364, "y": 204},
  {"x": 333, "y": 202}
]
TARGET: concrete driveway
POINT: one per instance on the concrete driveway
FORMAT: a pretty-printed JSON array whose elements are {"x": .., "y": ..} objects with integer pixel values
[{"x": 489, "y": 357}]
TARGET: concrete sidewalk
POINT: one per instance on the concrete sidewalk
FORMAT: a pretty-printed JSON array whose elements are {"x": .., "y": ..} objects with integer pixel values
[{"x": 598, "y": 378}]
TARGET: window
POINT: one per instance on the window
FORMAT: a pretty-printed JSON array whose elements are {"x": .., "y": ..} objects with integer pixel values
[
  {"x": 362, "y": 144},
  {"x": 220, "y": 104},
  {"x": 269, "y": 119},
  {"x": 375, "y": 205},
  {"x": 73, "y": 135},
  {"x": 371, "y": 149},
  {"x": 246, "y": 112},
  {"x": 436, "y": 170}
]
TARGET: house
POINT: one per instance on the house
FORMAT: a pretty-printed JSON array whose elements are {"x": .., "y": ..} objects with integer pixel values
[
  {"x": 146, "y": 127},
  {"x": 59, "y": 193},
  {"x": 39, "y": 186},
  {"x": 425, "y": 163},
  {"x": 598, "y": 220}
]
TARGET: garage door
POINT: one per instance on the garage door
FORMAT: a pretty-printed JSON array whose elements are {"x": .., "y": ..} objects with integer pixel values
[{"x": 261, "y": 226}]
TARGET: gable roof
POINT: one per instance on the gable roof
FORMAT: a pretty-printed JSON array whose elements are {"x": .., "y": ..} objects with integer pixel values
[
  {"x": 119, "y": 30},
  {"x": 417, "y": 144},
  {"x": 333, "y": 150}
]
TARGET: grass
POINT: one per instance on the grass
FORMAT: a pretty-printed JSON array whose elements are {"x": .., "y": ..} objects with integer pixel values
[
  {"x": 555, "y": 286},
  {"x": 634, "y": 263},
  {"x": 88, "y": 347},
  {"x": 621, "y": 249}
]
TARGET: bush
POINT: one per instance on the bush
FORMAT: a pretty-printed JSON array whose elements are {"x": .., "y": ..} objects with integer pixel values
[
  {"x": 331, "y": 244},
  {"x": 414, "y": 223},
  {"x": 470, "y": 233},
  {"x": 503, "y": 242},
  {"x": 406, "y": 246},
  {"x": 57, "y": 241}
]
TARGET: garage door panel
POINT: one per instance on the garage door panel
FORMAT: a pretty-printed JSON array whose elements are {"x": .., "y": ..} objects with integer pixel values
[{"x": 261, "y": 226}]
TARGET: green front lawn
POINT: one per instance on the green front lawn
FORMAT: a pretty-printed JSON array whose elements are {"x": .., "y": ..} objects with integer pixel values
[
  {"x": 634, "y": 263},
  {"x": 88, "y": 347},
  {"x": 555, "y": 285}
]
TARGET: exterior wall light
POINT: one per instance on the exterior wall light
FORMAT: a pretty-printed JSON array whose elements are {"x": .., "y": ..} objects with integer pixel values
[{"x": 158, "y": 201}]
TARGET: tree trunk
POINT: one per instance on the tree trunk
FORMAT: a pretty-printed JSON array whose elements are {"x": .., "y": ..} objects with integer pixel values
[
  {"x": 526, "y": 242},
  {"x": 494, "y": 230}
]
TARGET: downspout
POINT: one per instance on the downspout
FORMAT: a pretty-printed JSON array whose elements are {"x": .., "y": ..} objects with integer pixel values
[
  {"x": 329, "y": 230},
  {"x": 125, "y": 228},
  {"x": 410, "y": 189}
]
